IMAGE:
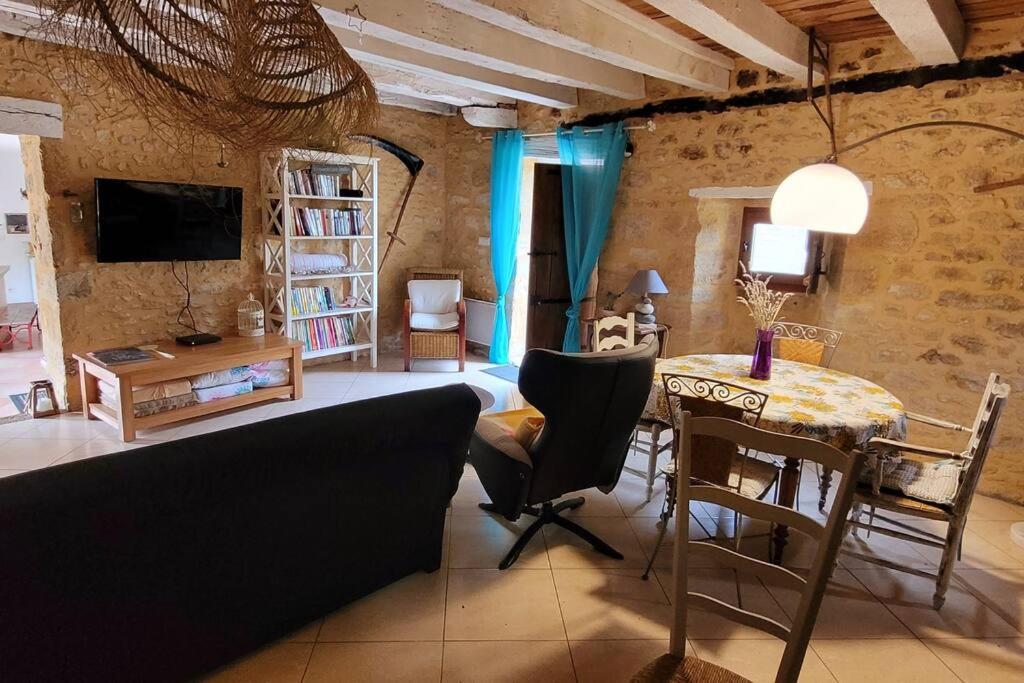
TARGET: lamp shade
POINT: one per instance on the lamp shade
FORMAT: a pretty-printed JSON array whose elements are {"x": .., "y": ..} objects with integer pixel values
[
  {"x": 647, "y": 282},
  {"x": 821, "y": 197}
]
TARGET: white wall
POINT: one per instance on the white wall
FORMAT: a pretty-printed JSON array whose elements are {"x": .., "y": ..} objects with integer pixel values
[{"x": 14, "y": 249}]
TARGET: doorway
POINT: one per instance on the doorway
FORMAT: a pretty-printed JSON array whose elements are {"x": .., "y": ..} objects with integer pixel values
[{"x": 541, "y": 286}]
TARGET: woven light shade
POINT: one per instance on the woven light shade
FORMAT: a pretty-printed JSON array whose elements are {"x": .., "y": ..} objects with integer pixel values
[{"x": 257, "y": 74}]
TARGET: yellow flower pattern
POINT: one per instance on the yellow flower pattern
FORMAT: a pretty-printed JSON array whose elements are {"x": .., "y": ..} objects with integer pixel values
[{"x": 831, "y": 406}]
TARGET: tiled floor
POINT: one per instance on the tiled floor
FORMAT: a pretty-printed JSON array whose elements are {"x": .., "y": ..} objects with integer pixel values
[
  {"x": 564, "y": 613},
  {"x": 18, "y": 367}
]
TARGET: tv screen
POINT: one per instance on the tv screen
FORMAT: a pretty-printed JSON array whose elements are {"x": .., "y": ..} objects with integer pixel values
[{"x": 144, "y": 221}]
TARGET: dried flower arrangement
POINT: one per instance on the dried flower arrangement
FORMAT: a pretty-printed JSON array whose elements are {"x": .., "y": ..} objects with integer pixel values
[{"x": 764, "y": 304}]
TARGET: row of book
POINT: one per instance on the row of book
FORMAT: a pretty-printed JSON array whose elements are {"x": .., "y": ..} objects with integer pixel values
[
  {"x": 324, "y": 333},
  {"x": 323, "y": 180},
  {"x": 307, "y": 222},
  {"x": 307, "y": 300}
]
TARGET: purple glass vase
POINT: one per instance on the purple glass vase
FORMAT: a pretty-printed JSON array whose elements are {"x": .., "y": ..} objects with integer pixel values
[{"x": 761, "y": 363}]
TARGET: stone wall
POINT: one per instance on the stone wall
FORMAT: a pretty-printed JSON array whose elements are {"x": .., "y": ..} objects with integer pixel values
[
  {"x": 101, "y": 305},
  {"x": 930, "y": 293}
]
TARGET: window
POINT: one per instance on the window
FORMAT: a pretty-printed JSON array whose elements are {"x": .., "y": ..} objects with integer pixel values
[{"x": 791, "y": 256}]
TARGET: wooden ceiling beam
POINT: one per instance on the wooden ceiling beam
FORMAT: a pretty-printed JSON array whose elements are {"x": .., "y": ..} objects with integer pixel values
[
  {"x": 401, "y": 82},
  {"x": 747, "y": 27},
  {"x": 581, "y": 29},
  {"x": 433, "y": 29},
  {"x": 370, "y": 50},
  {"x": 415, "y": 103},
  {"x": 932, "y": 30}
]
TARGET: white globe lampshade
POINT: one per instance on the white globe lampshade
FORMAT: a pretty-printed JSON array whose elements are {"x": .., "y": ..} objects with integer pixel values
[{"x": 821, "y": 197}]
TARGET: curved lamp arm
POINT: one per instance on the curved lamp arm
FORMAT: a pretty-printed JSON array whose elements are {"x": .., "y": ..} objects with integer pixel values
[{"x": 831, "y": 158}]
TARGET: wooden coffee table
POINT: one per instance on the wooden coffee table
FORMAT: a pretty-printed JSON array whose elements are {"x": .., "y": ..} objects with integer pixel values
[{"x": 188, "y": 361}]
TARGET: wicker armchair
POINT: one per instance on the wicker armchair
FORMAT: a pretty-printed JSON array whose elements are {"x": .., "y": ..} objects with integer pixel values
[{"x": 434, "y": 317}]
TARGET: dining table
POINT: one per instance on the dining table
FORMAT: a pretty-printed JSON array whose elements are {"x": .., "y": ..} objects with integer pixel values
[{"x": 835, "y": 407}]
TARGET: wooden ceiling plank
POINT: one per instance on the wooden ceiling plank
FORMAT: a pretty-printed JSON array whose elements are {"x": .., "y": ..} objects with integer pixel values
[
  {"x": 932, "y": 30},
  {"x": 401, "y": 82},
  {"x": 581, "y": 29}
]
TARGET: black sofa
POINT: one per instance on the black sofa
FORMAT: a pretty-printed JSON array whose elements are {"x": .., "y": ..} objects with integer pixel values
[{"x": 165, "y": 562}]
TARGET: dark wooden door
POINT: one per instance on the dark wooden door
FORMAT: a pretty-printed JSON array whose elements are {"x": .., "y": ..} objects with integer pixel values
[{"x": 549, "y": 275}]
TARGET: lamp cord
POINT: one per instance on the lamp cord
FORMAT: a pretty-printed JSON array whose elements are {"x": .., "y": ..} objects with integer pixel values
[
  {"x": 187, "y": 308},
  {"x": 922, "y": 124}
]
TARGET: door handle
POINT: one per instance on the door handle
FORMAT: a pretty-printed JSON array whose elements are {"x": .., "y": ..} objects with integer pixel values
[
  {"x": 542, "y": 253},
  {"x": 535, "y": 300}
]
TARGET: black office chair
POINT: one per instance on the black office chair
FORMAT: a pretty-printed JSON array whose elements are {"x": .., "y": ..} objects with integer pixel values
[{"x": 591, "y": 403}]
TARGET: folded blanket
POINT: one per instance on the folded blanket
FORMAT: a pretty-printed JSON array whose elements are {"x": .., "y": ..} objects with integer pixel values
[
  {"x": 221, "y": 377},
  {"x": 153, "y": 407},
  {"x": 307, "y": 264},
  {"x": 267, "y": 374},
  {"x": 152, "y": 392},
  {"x": 223, "y": 391}
]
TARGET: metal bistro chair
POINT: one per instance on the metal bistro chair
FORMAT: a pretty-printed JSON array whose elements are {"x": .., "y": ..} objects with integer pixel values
[
  {"x": 805, "y": 343},
  {"x": 814, "y": 346},
  {"x": 676, "y": 666},
  {"x": 715, "y": 461},
  {"x": 948, "y": 484}
]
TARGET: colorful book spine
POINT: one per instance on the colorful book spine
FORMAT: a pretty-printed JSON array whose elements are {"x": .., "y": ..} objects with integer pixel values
[
  {"x": 311, "y": 222},
  {"x": 324, "y": 333}
]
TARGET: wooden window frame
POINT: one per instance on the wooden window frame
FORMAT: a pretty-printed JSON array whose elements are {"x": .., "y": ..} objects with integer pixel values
[{"x": 805, "y": 283}]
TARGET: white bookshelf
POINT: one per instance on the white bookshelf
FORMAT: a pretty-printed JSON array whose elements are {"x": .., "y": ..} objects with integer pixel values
[{"x": 280, "y": 241}]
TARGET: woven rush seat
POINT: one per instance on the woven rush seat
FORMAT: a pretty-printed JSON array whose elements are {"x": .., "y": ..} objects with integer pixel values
[
  {"x": 671, "y": 669},
  {"x": 757, "y": 475}
]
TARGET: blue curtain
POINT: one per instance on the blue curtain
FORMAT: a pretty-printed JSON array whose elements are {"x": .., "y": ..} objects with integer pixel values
[
  {"x": 591, "y": 163},
  {"x": 506, "y": 180}
]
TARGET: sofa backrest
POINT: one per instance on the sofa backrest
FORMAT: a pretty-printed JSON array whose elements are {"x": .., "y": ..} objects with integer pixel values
[{"x": 164, "y": 562}]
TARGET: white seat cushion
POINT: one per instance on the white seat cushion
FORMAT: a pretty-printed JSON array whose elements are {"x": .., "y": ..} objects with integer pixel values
[
  {"x": 434, "y": 321},
  {"x": 435, "y": 296}
]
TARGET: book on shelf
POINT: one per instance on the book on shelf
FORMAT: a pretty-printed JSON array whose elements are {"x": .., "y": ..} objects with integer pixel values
[
  {"x": 121, "y": 355},
  {"x": 312, "y": 222},
  {"x": 323, "y": 180},
  {"x": 318, "y": 334},
  {"x": 306, "y": 300}
]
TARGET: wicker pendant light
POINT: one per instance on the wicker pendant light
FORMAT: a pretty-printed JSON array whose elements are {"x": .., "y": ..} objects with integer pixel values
[{"x": 257, "y": 74}]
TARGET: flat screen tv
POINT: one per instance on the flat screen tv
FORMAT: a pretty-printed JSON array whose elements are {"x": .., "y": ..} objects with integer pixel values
[{"x": 144, "y": 221}]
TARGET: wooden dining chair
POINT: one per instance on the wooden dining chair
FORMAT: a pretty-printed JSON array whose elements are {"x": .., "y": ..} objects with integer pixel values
[
  {"x": 932, "y": 484},
  {"x": 715, "y": 461},
  {"x": 805, "y": 343},
  {"x": 613, "y": 332},
  {"x": 676, "y": 666}
]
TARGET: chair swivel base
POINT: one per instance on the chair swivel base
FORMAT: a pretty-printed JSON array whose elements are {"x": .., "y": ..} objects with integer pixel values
[{"x": 548, "y": 514}]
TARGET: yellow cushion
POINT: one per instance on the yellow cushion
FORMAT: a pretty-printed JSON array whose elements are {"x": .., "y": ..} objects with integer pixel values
[
  {"x": 801, "y": 351},
  {"x": 510, "y": 419},
  {"x": 528, "y": 431}
]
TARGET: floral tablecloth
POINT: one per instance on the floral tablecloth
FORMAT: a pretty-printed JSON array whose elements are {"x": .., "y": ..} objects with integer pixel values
[{"x": 840, "y": 409}]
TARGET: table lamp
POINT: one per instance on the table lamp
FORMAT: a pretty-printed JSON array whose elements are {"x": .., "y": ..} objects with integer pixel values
[{"x": 645, "y": 283}]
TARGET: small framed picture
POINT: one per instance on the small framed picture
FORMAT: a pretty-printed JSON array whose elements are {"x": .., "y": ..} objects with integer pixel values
[{"x": 17, "y": 223}]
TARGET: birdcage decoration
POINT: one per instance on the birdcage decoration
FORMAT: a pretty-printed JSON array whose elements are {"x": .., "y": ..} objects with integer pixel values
[{"x": 250, "y": 318}]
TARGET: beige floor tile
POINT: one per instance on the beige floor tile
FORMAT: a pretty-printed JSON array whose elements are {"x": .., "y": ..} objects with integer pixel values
[
  {"x": 566, "y": 550},
  {"x": 277, "y": 663},
  {"x": 647, "y": 528},
  {"x": 470, "y": 494},
  {"x": 374, "y": 663},
  {"x": 998, "y": 534},
  {"x": 11, "y": 473},
  {"x": 507, "y": 662},
  {"x": 611, "y": 604},
  {"x": 977, "y": 554},
  {"x": 758, "y": 660},
  {"x": 991, "y": 660},
  {"x": 859, "y": 661},
  {"x": 481, "y": 541},
  {"x": 993, "y": 509},
  {"x": 30, "y": 453},
  {"x": 490, "y": 604},
  {"x": 721, "y": 584},
  {"x": 97, "y": 447},
  {"x": 631, "y": 492},
  {"x": 1000, "y": 589},
  {"x": 410, "y": 609},
  {"x": 882, "y": 547},
  {"x": 597, "y": 504},
  {"x": 613, "y": 661},
  {"x": 910, "y": 599},
  {"x": 848, "y": 611}
]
